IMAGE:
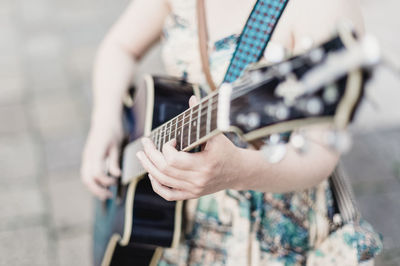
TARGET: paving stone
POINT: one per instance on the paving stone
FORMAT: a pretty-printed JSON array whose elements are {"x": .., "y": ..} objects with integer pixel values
[
  {"x": 373, "y": 156},
  {"x": 83, "y": 13},
  {"x": 9, "y": 37},
  {"x": 24, "y": 247},
  {"x": 6, "y": 7},
  {"x": 71, "y": 203},
  {"x": 56, "y": 113},
  {"x": 44, "y": 45},
  {"x": 20, "y": 205},
  {"x": 11, "y": 76},
  {"x": 375, "y": 187},
  {"x": 80, "y": 61},
  {"x": 34, "y": 12},
  {"x": 383, "y": 212},
  {"x": 389, "y": 257},
  {"x": 64, "y": 152},
  {"x": 11, "y": 89},
  {"x": 13, "y": 119},
  {"x": 75, "y": 250},
  {"x": 19, "y": 162}
]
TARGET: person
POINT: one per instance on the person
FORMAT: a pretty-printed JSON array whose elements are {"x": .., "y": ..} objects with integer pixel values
[{"x": 241, "y": 209}]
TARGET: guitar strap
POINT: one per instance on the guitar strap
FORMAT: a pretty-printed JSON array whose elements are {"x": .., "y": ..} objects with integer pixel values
[{"x": 252, "y": 42}]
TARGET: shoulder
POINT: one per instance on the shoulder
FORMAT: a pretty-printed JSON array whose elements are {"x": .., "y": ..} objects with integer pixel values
[{"x": 318, "y": 19}]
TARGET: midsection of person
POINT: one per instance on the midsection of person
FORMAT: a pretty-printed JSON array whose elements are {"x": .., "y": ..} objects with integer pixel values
[{"x": 232, "y": 218}]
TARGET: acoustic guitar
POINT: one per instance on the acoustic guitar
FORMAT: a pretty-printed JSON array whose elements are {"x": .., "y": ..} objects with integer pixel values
[{"x": 321, "y": 86}]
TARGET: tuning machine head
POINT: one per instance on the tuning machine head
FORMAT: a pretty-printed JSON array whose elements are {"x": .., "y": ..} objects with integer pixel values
[
  {"x": 274, "y": 148},
  {"x": 299, "y": 142},
  {"x": 275, "y": 53}
]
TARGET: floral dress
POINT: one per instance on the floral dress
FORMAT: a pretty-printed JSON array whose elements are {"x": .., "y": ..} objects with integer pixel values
[{"x": 246, "y": 227}]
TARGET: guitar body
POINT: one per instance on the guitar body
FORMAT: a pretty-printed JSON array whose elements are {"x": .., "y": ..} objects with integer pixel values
[
  {"x": 322, "y": 86},
  {"x": 130, "y": 226}
]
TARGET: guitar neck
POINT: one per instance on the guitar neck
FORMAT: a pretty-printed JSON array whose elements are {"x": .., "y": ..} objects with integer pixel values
[{"x": 191, "y": 128}]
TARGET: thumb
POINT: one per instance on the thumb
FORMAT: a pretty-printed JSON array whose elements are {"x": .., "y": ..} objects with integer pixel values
[
  {"x": 114, "y": 167},
  {"x": 193, "y": 101}
]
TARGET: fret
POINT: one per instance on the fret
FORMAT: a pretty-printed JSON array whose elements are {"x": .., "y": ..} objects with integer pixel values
[
  {"x": 198, "y": 121},
  {"x": 159, "y": 143},
  {"x": 209, "y": 109},
  {"x": 181, "y": 129},
  {"x": 157, "y": 138},
  {"x": 165, "y": 133},
  {"x": 178, "y": 132},
  {"x": 184, "y": 130},
  {"x": 214, "y": 115},
  {"x": 170, "y": 130},
  {"x": 153, "y": 137},
  {"x": 176, "y": 126},
  {"x": 190, "y": 125},
  {"x": 203, "y": 124}
]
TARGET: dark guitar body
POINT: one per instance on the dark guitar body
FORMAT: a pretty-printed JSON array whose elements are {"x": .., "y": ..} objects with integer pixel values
[
  {"x": 131, "y": 228},
  {"x": 153, "y": 218}
]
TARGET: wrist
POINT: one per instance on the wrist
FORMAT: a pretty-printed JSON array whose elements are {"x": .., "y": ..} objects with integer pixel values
[{"x": 241, "y": 170}]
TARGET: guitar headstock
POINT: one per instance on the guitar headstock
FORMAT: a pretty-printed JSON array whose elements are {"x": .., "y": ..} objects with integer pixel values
[{"x": 322, "y": 86}]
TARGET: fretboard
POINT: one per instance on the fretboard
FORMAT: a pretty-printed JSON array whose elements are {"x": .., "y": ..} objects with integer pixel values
[{"x": 189, "y": 128}]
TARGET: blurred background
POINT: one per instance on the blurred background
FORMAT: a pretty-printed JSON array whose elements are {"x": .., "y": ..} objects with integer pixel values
[{"x": 46, "y": 53}]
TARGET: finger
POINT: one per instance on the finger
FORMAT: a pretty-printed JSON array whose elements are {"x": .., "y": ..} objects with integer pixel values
[
  {"x": 193, "y": 101},
  {"x": 104, "y": 180},
  {"x": 168, "y": 193},
  {"x": 177, "y": 159},
  {"x": 155, "y": 156},
  {"x": 157, "y": 174},
  {"x": 99, "y": 191},
  {"x": 114, "y": 168},
  {"x": 159, "y": 162}
]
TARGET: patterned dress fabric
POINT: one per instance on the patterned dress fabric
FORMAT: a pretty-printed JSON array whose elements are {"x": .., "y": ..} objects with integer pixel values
[{"x": 249, "y": 227}]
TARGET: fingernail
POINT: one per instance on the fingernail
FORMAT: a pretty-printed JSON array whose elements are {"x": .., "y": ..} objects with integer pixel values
[{"x": 139, "y": 155}]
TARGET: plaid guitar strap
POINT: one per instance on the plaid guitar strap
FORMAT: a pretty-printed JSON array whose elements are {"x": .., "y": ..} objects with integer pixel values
[{"x": 255, "y": 36}]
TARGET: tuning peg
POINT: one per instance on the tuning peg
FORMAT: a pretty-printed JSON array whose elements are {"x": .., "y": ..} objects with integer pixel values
[
  {"x": 311, "y": 106},
  {"x": 314, "y": 106},
  {"x": 250, "y": 121},
  {"x": 316, "y": 55},
  {"x": 274, "y": 148},
  {"x": 275, "y": 53},
  {"x": 331, "y": 94},
  {"x": 306, "y": 43},
  {"x": 339, "y": 141},
  {"x": 299, "y": 142}
]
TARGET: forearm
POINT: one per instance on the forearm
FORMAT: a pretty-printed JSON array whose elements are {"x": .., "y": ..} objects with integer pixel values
[
  {"x": 295, "y": 172},
  {"x": 112, "y": 75}
]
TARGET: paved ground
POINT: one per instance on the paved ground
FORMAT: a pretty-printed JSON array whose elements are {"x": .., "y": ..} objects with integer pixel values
[{"x": 46, "y": 52}]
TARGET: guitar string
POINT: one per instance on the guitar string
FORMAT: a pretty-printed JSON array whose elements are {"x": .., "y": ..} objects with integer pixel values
[
  {"x": 187, "y": 120},
  {"x": 185, "y": 138},
  {"x": 203, "y": 103},
  {"x": 172, "y": 130}
]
